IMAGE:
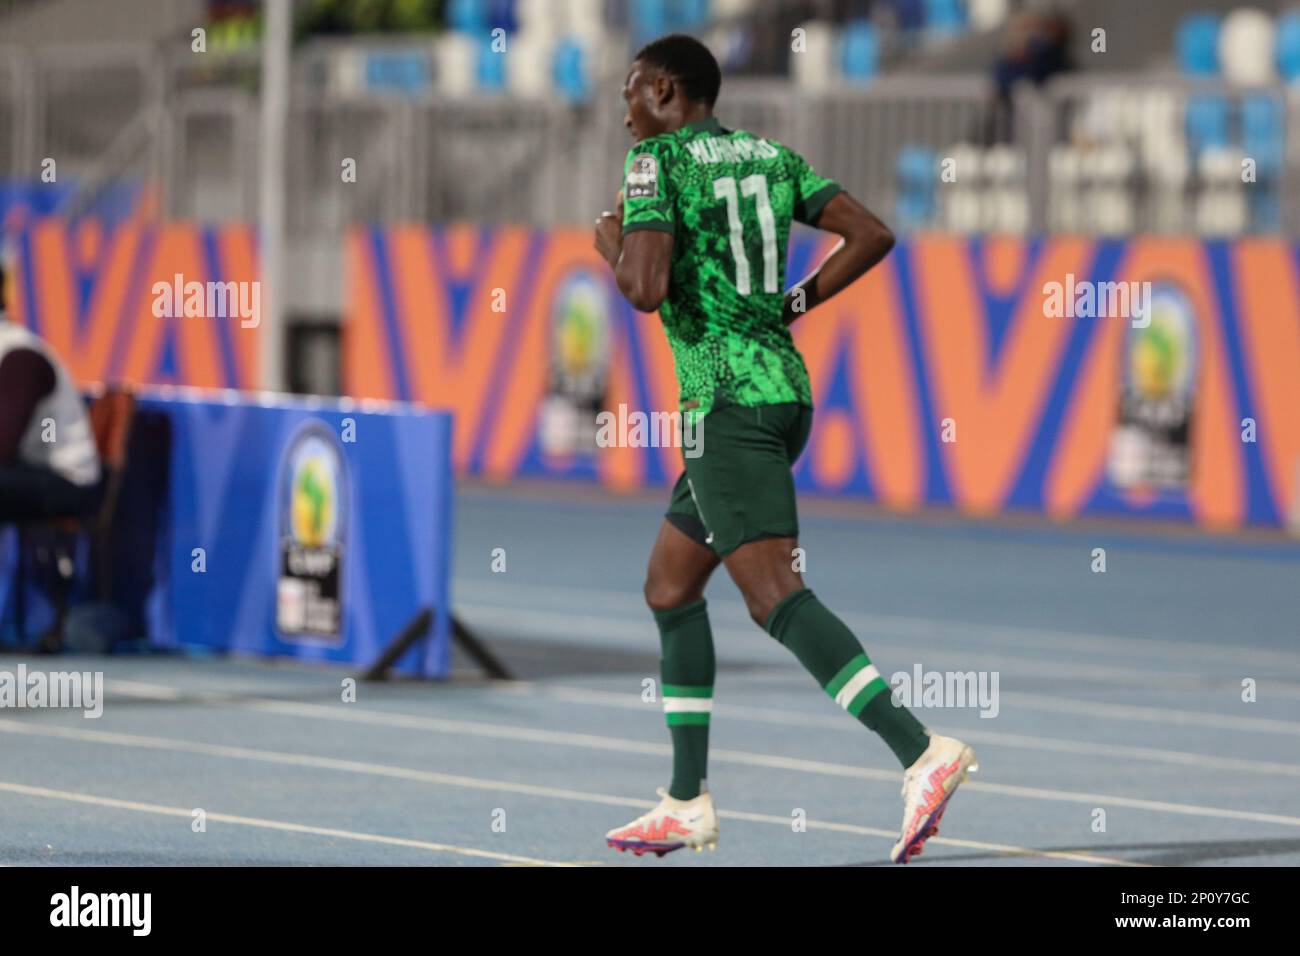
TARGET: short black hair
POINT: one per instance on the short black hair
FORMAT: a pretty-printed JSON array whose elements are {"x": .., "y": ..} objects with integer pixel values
[{"x": 689, "y": 62}]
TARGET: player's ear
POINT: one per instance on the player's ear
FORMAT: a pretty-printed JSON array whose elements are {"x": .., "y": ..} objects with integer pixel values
[{"x": 664, "y": 89}]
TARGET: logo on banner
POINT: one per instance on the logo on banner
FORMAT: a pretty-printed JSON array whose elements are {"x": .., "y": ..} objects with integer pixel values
[
  {"x": 579, "y": 365},
  {"x": 313, "y": 503},
  {"x": 1150, "y": 446}
]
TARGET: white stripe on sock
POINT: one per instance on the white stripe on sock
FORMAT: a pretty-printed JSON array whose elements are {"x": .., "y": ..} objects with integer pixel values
[
  {"x": 688, "y": 705},
  {"x": 858, "y": 681}
]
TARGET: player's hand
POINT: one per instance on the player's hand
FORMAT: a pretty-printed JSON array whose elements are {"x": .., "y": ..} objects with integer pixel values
[{"x": 609, "y": 236}]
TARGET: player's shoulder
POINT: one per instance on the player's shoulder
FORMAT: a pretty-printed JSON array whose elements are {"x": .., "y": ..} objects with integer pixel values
[
  {"x": 781, "y": 150},
  {"x": 665, "y": 147}
]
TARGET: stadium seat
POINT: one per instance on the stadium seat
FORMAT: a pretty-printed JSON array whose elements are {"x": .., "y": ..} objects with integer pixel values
[
  {"x": 529, "y": 65},
  {"x": 1263, "y": 140},
  {"x": 944, "y": 17},
  {"x": 400, "y": 71},
  {"x": 1065, "y": 172},
  {"x": 908, "y": 14},
  {"x": 1263, "y": 126},
  {"x": 569, "y": 71},
  {"x": 648, "y": 19},
  {"x": 503, "y": 14},
  {"x": 812, "y": 69},
  {"x": 1246, "y": 47},
  {"x": 917, "y": 177},
  {"x": 491, "y": 66},
  {"x": 1207, "y": 123},
  {"x": 1287, "y": 46},
  {"x": 584, "y": 19},
  {"x": 1197, "y": 44},
  {"x": 987, "y": 14},
  {"x": 467, "y": 16},
  {"x": 961, "y": 201},
  {"x": 691, "y": 14},
  {"x": 457, "y": 60},
  {"x": 859, "y": 51},
  {"x": 1221, "y": 205}
]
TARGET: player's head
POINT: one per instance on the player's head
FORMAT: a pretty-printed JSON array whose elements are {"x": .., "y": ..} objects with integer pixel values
[{"x": 673, "y": 81}]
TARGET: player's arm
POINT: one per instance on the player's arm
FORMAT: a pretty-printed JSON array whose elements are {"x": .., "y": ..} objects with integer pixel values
[
  {"x": 641, "y": 259},
  {"x": 637, "y": 241},
  {"x": 864, "y": 242},
  {"x": 26, "y": 377}
]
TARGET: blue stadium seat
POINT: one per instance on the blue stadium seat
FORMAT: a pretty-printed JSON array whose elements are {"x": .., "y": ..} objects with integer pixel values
[
  {"x": 1197, "y": 44},
  {"x": 503, "y": 14},
  {"x": 945, "y": 17},
  {"x": 491, "y": 66},
  {"x": 1262, "y": 132},
  {"x": 860, "y": 51},
  {"x": 648, "y": 19},
  {"x": 1262, "y": 139},
  {"x": 1288, "y": 46},
  {"x": 915, "y": 170},
  {"x": 467, "y": 16},
  {"x": 908, "y": 14},
  {"x": 569, "y": 71},
  {"x": 397, "y": 71},
  {"x": 1207, "y": 123},
  {"x": 689, "y": 14}
]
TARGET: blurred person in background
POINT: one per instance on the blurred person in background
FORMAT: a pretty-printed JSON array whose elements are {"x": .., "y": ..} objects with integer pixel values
[
  {"x": 1035, "y": 47},
  {"x": 49, "y": 465}
]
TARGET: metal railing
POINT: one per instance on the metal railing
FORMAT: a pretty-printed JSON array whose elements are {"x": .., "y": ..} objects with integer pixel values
[{"x": 1088, "y": 154}]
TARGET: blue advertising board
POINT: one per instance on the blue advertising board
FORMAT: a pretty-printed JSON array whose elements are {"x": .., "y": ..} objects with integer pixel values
[{"x": 302, "y": 528}]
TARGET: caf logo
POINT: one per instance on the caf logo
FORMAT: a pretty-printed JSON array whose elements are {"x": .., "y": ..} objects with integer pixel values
[{"x": 313, "y": 513}]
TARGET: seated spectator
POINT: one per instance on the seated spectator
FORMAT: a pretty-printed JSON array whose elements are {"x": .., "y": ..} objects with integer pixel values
[
  {"x": 1035, "y": 47},
  {"x": 49, "y": 465}
]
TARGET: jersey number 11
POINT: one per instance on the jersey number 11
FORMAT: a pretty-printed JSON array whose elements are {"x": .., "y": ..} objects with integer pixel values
[{"x": 756, "y": 186}]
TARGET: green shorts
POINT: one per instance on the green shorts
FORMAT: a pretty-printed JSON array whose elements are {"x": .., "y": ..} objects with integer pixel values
[{"x": 740, "y": 488}]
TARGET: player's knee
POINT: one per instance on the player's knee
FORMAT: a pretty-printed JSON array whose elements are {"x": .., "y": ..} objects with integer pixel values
[
  {"x": 762, "y": 599},
  {"x": 760, "y": 605},
  {"x": 663, "y": 594}
]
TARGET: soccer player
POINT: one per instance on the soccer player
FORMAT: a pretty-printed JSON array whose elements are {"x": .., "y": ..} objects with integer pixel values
[{"x": 700, "y": 235}]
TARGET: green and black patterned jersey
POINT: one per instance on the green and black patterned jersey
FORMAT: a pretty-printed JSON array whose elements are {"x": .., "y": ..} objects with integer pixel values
[{"x": 728, "y": 198}]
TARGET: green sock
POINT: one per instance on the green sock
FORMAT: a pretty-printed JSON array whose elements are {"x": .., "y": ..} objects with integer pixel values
[
  {"x": 687, "y": 669},
  {"x": 835, "y": 658}
]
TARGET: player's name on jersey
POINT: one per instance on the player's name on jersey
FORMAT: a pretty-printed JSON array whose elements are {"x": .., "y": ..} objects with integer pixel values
[{"x": 711, "y": 149}]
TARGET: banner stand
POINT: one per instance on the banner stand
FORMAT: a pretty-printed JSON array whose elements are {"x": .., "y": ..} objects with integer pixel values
[{"x": 417, "y": 628}]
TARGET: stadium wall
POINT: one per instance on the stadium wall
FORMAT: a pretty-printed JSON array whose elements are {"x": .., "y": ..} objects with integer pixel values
[{"x": 949, "y": 339}]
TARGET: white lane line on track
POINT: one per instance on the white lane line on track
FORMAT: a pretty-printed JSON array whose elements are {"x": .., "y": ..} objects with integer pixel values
[
  {"x": 836, "y": 722},
  {"x": 562, "y": 624},
  {"x": 478, "y": 783},
  {"x": 825, "y": 768},
  {"x": 263, "y": 824},
  {"x": 557, "y": 623},
  {"x": 1033, "y": 638},
  {"x": 354, "y": 714}
]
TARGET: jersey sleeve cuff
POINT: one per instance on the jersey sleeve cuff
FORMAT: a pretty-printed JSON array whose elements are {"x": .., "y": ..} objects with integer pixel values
[
  {"x": 657, "y": 225},
  {"x": 814, "y": 204}
]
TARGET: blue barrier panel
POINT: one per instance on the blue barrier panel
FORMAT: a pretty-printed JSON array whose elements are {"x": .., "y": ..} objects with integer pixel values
[{"x": 302, "y": 528}]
